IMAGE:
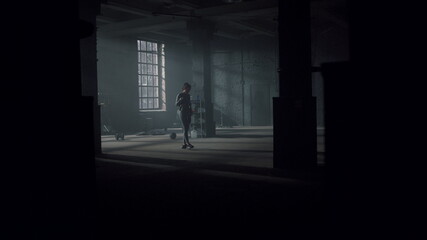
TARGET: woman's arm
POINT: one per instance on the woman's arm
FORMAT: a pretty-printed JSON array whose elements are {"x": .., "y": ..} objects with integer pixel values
[
  {"x": 179, "y": 99},
  {"x": 191, "y": 108}
]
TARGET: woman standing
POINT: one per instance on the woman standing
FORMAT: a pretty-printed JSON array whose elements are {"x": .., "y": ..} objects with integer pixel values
[{"x": 184, "y": 111}]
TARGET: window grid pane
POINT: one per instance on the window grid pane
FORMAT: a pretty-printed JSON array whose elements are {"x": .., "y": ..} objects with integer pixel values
[
  {"x": 156, "y": 103},
  {"x": 156, "y": 92},
  {"x": 144, "y": 103},
  {"x": 150, "y": 103},
  {"x": 142, "y": 57},
  {"x": 155, "y": 70},
  {"x": 144, "y": 68},
  {"x": 144, "y": 92},
  {"x": 150, "y": 69},
  {"x": 150, "y": 90},
  {"x": 143, "y": 46}
]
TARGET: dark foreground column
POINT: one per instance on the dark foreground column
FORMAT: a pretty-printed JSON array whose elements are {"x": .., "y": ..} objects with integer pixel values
[{"x": 295, "y": 109}]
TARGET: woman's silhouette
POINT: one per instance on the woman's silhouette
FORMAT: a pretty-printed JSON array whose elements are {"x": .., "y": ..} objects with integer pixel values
[{"x": 184, "y": 111}]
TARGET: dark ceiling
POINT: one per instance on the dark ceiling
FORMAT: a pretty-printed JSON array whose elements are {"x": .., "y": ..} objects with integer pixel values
[
  {"x": 233, "y": 19},
  {"x": 167, "y": 18}
]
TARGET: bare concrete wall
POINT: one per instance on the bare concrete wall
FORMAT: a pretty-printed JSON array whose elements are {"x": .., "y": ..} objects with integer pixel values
[
  {"x": 117, "y": 77},
  {"x": 244, "y": 76}
]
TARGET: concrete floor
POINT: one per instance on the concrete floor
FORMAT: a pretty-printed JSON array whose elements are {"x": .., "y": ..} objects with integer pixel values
[
  {"x": 149, "y": 188},
  {"x": 243, "y": 146}
]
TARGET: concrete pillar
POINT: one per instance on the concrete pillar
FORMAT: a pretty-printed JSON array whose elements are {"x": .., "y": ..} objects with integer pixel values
[
  {"x": 295, "y": 109},
  {"x": 88, "y": 58},
  {"x": 200, "y": 36}
]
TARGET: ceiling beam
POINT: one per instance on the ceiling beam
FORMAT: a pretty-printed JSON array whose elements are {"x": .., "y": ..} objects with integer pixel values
[
  {"x": 228, "y": 35},
  {"x": 185, "y": 5},
  {"x": 149, "y": 27},
  {"x": 137, "y": 23},
  {"x": 173, "y": 35},
  {"x": 105, "y": 19},
  {"x": 241, "y": 7},
  {"x": 126, "y": 9},
  {"x": 265, "y": 13},
  {"x": 254, "y": 27},
  {"x": 160, "y": 37},
  {"x": 184, "y": 36}
]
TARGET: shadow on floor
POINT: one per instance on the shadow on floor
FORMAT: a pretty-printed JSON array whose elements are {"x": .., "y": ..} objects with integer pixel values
[
  {"x": 313, "y": 175},
  {"x": 182, "y": 200},
  {"x": 244, "y": 136}
]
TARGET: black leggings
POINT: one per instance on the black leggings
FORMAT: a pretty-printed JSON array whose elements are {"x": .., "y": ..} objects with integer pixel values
[{"x": 185, "y": 120}]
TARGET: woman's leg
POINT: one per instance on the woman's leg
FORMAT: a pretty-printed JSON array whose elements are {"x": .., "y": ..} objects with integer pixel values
[
  {"x": 185, "y": 127},
  {"x": 188, "y": 122}
]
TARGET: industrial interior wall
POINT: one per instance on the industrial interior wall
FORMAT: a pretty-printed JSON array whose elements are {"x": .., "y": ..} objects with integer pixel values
[
  {"x": 118, "y": 85},
  {"x": 117, "y": 81},
  {"x": 244, "y": 80}
]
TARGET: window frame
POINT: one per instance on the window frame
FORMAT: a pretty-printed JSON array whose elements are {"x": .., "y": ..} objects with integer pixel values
[{"x": 151, "y": 76}]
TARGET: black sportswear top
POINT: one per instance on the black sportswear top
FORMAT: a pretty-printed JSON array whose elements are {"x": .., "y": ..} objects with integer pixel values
[{"x": 183, "y": 102}]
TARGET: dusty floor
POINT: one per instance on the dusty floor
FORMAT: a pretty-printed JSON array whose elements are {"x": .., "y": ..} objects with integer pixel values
[
  {"x": 243, "y": 146},
  {"x": 149, "y": 188}
]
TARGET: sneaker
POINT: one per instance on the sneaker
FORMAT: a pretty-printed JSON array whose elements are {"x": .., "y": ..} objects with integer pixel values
[
  {"x": 184, "y": 146},
  {"x": 189, "y": 146}
]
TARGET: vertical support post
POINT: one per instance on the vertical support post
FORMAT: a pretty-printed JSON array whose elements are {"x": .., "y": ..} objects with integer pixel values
[
  {"x": 242, "y": 81},
  {"x": 200, "y": 35},
  {"x": 89, "y": 76},
  {"x": 294, "y": 114}
]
